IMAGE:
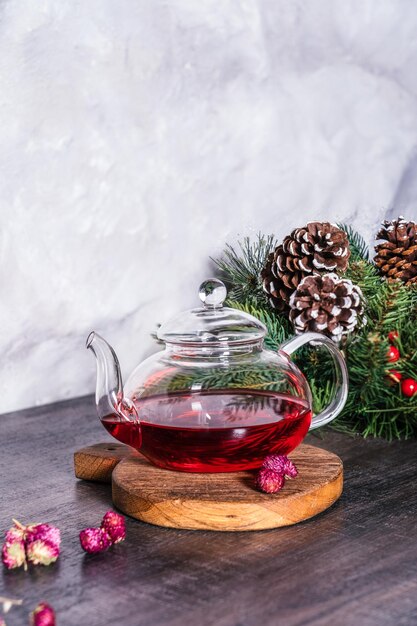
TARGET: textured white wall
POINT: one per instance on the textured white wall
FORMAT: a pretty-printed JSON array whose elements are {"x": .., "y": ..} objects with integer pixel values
[{"x": 137, "y": 137}]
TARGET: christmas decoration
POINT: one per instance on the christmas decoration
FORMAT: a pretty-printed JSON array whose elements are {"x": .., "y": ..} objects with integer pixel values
[
  {"x": 327, "y": 304},
  {"x": 373, "y": 408},
  {"x": 393, "y": 354},
  {"x": 409, "y": 387},
  {"x": 115, "y": 526},
  {"x": 396, "y": 257},
  {"x": 37, "y": 544},
  {"x": 281, "y": 464},
  {"x": 395, "y": 375},
  {"x": 279, "y": 293},
  {"x": 319, "y": 247},
  {"x": 94, "y": 540},
  {"x": 43, "y": 615},
  {"x": 393, "y": 336},
  {"x": 269, "y": 481}
]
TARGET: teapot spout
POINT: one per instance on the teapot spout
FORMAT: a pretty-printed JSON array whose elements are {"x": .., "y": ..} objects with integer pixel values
[{"x": 109, "y": 386}]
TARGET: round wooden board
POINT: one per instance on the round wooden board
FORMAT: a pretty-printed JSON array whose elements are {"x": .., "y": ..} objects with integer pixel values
[
  {"x": 98, "y": 461},
  {"x": 228, "y": 501}
]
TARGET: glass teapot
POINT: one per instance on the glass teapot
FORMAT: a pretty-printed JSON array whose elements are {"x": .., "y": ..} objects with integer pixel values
[{"x": 214, "y": 400}]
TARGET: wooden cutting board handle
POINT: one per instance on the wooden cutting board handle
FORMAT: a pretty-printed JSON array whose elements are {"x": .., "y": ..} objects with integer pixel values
[
  {"x": 227, "y": 502},
  {"x": 97, "y": 462}
]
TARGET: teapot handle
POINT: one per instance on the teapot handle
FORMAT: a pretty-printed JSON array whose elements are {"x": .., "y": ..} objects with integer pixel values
[{"x": 340, "y": 369}]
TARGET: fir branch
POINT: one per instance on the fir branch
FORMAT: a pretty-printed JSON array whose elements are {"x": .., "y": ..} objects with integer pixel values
[
  {"x": 278, "y": 326},
  {"x": 241, "y": 268},
  {"x": 359, "y": 250},
  {"x": 375, "y": 405}
]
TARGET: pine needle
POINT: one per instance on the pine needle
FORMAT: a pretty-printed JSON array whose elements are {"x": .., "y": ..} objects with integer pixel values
[
  {"x": 359, "y": 250},
  {"x": 241, "y": 267}
]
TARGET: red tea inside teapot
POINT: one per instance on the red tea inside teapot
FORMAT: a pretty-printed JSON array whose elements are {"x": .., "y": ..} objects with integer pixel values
[{"x": 214, "y": 431}]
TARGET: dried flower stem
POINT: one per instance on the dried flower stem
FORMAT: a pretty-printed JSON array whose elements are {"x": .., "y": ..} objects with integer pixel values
[{"x": 8, "y": 603}]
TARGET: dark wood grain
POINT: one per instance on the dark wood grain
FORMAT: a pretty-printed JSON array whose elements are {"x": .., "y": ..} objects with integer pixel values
[{"x": 355, "y": 564}]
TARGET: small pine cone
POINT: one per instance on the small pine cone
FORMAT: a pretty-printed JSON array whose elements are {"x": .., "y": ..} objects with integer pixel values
[
  {"x": 396, "y": 257},
  {"x": 279, "y": 294},
  {"x": 326, "y": 304},
  {"x": 317, "y": 248}
]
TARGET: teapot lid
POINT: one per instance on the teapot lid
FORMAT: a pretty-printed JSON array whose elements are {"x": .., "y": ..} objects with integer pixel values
[{"x": 212, "y": 323}]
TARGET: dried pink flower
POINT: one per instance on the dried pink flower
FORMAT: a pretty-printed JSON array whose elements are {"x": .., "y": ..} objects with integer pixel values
[
  {"x": 42, "y": 544},
  {"x": 37, "y": 543},
  {"x": 94, "y": 540},
  {"x": 115, "y": 526},
  {"x": 13, "y": 551},
  {"x": 269, "y": 481},
  {"x": 43, "y": 615},
  {"x": 281, "y": 464}
]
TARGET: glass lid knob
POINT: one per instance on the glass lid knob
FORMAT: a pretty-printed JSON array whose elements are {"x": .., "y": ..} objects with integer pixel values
[{"x": 212, "y": 293}]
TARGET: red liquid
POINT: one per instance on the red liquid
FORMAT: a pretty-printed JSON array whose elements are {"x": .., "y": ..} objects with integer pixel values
[{"x": 214, "y": 431}]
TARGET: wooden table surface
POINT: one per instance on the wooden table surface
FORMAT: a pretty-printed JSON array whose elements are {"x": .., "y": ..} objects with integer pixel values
[{"x": 355, "y": 564}]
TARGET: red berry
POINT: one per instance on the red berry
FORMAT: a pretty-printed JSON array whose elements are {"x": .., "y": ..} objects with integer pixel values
[
  {"x": 395, "y": 375},
  {"x": 393, "y": 354},
  {"x": 409, "y": 387},
  {"x": 269, "y": 481},
  {"x": 393, "y": 336}
]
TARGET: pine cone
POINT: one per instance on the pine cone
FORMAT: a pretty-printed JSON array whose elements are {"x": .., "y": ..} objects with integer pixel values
[
  {"x": 318, "y": 247},
  {"x": 279, "y": 293},
  {"x": 396, "y": 257},
  {"x": 326, "y": 304}
]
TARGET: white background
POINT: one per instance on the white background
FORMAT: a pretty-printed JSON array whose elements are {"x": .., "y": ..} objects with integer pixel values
[{"x": 138, "y": 136}]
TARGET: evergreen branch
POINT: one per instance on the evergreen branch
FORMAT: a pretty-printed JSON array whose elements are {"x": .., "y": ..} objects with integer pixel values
[
  {"x": 359, "y": 250},
  {"x": 241, "y": 268},
  {"x": 375, "y": 406},
  {"x": 278, "y": 326}
]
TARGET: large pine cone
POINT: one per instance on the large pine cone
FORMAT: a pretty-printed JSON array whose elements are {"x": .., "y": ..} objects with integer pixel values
[
  {"x": 396, "y": 257},
  {"x": 326, "y": 304},
  {"x": 317, "y": 248}
]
